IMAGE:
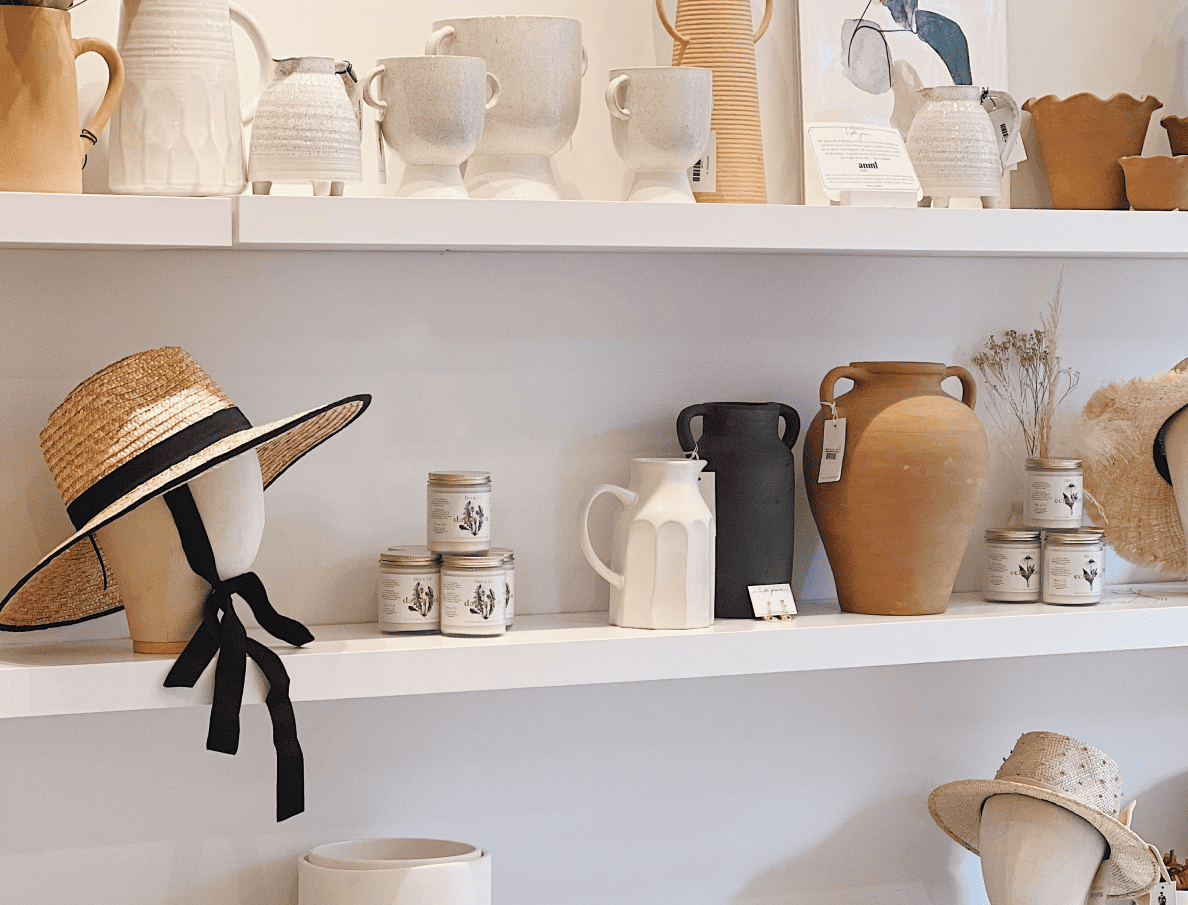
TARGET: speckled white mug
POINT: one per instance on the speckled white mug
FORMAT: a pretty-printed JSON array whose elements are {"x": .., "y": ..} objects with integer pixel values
[
  {"x": 660, "y": 123},
  {"x": 432, "y": 111},
  {"x": 539, "y": 61}
]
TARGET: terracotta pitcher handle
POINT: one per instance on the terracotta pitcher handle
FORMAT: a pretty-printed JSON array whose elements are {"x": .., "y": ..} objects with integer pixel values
[
  {"x": 627, "y": 498},
  {"x": 791, "y": 424},
  {"x": 969, "y": 389},
  {"x": 111, "y": 97},
  {"x": 684, "y": 425},
  {"x": 828, "y": 384},
  {"x": 683, "y": 41}
]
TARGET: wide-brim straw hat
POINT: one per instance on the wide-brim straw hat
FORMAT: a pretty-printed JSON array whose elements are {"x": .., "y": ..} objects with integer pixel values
[
  {"x": 140, "y": 427},
  {"x": 1126, "y": 472},
  {"x": 1068, "y": 773}
]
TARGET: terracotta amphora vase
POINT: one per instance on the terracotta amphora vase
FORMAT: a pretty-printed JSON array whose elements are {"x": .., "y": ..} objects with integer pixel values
[
  {"x": 755, "y": 494},
  {"x": 914, "y": 465},
  {"x": 1082, "y": 138},
  {"x": 42, "y": 143},
  {"x": 717, "y": 35}
]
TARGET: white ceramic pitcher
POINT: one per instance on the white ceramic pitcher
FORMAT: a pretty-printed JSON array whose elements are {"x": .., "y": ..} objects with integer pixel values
[
  {"x": 663, "y": 542},
  {"x": 178, "y": 129},
  {"x": 954, "y": 147}
]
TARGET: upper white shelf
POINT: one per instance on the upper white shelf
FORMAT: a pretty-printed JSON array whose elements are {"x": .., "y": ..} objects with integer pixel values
[
  {"x": 357, "y": 661},
  {"x": 34, "y": 220},
  {"x": 400, "y": 223}
]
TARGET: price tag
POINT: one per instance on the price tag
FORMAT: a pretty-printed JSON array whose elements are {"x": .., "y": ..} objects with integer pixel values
[
  {"x": 773, "y": 601},
  {"x": 381, "y": 162},
  {"x": 833, "y": 450},
  {"x": 856, "y": 158},
  {"x": 707, "y": 484},
  {"x": 703, "y": 175}
]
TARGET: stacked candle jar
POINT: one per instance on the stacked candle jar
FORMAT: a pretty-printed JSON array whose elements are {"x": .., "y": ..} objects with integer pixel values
[
  {"x": 457, "y": 583},
  {"x": 1065, "y": 559}
]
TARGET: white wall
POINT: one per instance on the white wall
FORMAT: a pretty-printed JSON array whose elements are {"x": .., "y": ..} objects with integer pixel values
[{"x": 793, "y": 788}]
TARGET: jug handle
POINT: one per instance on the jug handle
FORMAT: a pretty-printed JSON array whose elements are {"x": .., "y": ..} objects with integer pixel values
[
  {"x": 683, "y": 41},
  {"x": 370, "y": 99},
  {"x": 1016, "y": 122},
  {"x": 829, "y": 383},
  {"x": 111, "y": 97},
  {"x": 435, "y": 40},
  {"x": 969, "y": 389},
  {"x": 791, "y": 425},
  {"x": 618, "y": 111},
  {"x": 627, "y": 498},
  {"x": 496, "y": 90},
  {"x": 244, "y": 20},
  {"x": 684, "y": 426}
]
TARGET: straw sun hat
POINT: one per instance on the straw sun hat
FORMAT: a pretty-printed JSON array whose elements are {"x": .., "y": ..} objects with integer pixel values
[
  {"x": 1126, "y": 468},
  {"x": 140, "y": 427},
  {"x": 1068, "y": 773}
]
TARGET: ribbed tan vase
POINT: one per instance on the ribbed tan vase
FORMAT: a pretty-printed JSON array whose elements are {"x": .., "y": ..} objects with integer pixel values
[
  {"x": 717, "y": 35},
  {"x": 913, "y": 472}
]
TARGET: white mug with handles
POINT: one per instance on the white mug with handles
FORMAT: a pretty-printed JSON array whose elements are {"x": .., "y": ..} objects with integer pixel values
[
  {"x": 432, "y": 113},
  {"x": 539, "y": 61}
]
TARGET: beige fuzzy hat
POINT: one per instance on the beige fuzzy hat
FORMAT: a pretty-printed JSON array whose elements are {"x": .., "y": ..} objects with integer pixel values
[
  {"x": 1066, "y": 772},
  {"x": 1126, "y": 474}
]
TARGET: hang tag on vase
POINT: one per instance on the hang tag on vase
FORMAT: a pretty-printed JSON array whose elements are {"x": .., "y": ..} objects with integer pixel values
[
  {"x": 703, "y": 175},
  {"x": 381, "y": 161},
  {"x": 833, "y": 450},
  {"x": 1162, "y": 893},
  {"x": 773, "y": 602},
  {"x": 707, "y": 484}
]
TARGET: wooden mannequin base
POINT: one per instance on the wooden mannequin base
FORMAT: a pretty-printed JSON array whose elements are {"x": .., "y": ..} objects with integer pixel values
[{"x": 159, "y": 647}]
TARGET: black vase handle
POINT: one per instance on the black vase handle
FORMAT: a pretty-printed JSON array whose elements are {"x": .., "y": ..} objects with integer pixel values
[
  {"x": 684, "y": 425},
  {"x": 791, "y": 425}
]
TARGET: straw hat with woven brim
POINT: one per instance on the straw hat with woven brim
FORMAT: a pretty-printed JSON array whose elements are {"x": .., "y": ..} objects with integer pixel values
[
  {"x": 1126, "y": 470},
  {"x": 140, "y": 427},
  {"x": 1068, "y": 773}
]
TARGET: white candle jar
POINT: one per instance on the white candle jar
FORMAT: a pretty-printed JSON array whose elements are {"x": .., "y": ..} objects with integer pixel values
[
  {"x": 1073, "y": 565},
  {"x": 509, "y": 583},
  {"x": 458, "y": 512},
  {"x": 1055, "y": 493},
  {"x": 409, "y": 593},
  {"x": 1012, "y": 566},
  {"x": 472, "y": 595}
]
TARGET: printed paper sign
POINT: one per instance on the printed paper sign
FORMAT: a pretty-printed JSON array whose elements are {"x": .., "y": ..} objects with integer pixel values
[{"x": 852, "y": 157}]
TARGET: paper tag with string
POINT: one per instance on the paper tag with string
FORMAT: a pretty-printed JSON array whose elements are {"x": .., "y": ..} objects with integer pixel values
[
  {"x": 1163, "y": 892},
  {"x": 833, "y": 447},
  {"x": 706, "y": 483}
]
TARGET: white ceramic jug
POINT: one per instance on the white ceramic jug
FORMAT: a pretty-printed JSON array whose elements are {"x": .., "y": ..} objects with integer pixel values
[
  {"x": 663, "y": 543},
  {"x": 178, "y": 129},
  {"x": 954, "y": 147}
]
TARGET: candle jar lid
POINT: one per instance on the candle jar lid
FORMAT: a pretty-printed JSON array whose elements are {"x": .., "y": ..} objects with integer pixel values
[
  {"x": 470, "y": 563},
  {"x": 1053, "y": 463},
  {"x": 507, "y": 553},
  {"x": 1013, "y": 536},
  {"x": 460, "y": 478},
  {"x": 409, "y": 556},
  {"x": 1073, "y": 538}
]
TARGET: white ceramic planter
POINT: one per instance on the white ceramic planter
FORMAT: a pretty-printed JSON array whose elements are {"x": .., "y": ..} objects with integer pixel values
[{"x": 436, "y": 883}]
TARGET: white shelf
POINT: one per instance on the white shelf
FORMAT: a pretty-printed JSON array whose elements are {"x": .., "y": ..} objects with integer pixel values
[
  {"x": 34, "y": 220},
  {"x": 398, "y": 223},
  {"x": 357, "y": 661}
]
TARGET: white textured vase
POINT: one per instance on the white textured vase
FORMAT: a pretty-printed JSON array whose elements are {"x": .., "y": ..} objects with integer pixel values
[
  {"x": 660, "y": 124},
  {"x": 953, "y": 146},
  {"x": 178, "y": 129},
  {"x": 662, "y": 547},
  {"x": 305, "y": 128},
  {"x": 539, "y": 62}
]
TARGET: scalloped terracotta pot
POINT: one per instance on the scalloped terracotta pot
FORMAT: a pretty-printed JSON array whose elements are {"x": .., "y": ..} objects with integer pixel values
[
  {"x": 1082, "y": 138},
  {"x": 1156, "y": 183},
  {"x": 913, "y": 473}
]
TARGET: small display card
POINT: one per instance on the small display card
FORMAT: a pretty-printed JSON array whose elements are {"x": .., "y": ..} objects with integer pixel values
[
  {"x": 861, "y": 159},
  {"x": 833, "y": 450},
  {"x": 772, "y": 601},
  {"x": 703, "y": 175}
]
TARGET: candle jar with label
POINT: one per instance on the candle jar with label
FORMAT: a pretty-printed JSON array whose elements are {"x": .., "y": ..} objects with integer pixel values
[
  {"x": 1055, "y": 493},
  {"x": 472, "y": 595},
  {"x": 458, "y": 512},
  {"x": 509, "y": 583},
  {"x": 409, "y": 593},
  {"x": 1012, "y": 566},
  {"x": 1073, "y": 565}
]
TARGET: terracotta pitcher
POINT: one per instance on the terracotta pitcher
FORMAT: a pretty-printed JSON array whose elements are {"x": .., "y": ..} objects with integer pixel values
[
  {"x": 42, "y": 144},
  {"x": 1082, "y": 138},
  {"x": 716, "y": 35},
  {"x": 913, "y": 470}
]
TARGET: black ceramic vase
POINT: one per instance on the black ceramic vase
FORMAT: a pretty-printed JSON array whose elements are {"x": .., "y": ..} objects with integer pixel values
[{"x": 755, "y": 479}]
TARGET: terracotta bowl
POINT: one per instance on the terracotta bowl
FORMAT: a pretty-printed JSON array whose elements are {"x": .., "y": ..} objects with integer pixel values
[
  {"x": 1177, "y": 133},
  {"x": 1156, "y": 183}
]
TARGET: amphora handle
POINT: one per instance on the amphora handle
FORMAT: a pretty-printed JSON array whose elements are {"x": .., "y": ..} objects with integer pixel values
[
  {"x": 244, "y": 20},
  {"x": 969, "y": 389},
  {"x": 684, "y": 426},
  {"x": 111, "y": 97},
  {"x": 683, "y": 41},
  {"x": 791, "y": 424},
  {"x": 627, "y": 498},
  {"x": 829, "y": 384}
]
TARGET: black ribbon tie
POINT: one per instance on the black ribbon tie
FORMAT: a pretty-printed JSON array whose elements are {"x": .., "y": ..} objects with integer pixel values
[{"x": 222, "y": 633}]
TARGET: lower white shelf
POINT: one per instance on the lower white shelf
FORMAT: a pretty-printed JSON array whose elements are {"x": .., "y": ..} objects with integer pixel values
[{"x": 358, "y": 661}]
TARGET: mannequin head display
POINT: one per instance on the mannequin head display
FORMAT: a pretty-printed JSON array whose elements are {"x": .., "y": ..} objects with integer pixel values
[
  {"x": 1134, "y": 442},
  {"x": 162, "y": 595},
  {"x": 1046, "y": 822}
]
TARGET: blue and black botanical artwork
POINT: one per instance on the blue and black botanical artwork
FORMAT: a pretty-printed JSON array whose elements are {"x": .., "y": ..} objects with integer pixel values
[
  {"x": 422, "y": 599},
  {"x": 483, "y": 604},
  {"x": 866, "y": 57},
  {"x": 472, "y": 518}
]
